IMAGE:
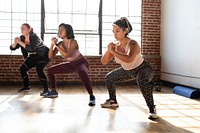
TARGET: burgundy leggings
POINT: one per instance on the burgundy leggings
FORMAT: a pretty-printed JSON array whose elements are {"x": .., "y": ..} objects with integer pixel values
[{"x": 80, "y": 66}]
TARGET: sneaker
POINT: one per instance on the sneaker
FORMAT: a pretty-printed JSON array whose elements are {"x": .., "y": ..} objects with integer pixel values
[
  {"x": 92, "y": 100},
  {"x": 24, "y": 89},
  {"x": 52, "y": 94},
  {"x": 109, "y": 104},
  {"x": 44, "y": 92},
  {"x": 152, "y": 113}
]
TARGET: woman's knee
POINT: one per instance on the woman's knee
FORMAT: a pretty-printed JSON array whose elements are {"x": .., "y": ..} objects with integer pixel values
[
  {"x": 39, "y": 70},
  {"x": 83, "y": 72},
  {"x": 23, "y": 68},
  {"x": 145, "y": 74},
  {"x": 49, "y": 71},
  {"x": 144, "y": 84},
  {"x": 109, "y": 78},
  {"x": 83, "y": 69}
]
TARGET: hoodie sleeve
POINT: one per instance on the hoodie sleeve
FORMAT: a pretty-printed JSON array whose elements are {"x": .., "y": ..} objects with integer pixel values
[{"x": 22, "y": 38}]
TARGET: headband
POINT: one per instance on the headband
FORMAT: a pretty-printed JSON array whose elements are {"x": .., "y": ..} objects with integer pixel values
[{"x": 127, "y": 23}]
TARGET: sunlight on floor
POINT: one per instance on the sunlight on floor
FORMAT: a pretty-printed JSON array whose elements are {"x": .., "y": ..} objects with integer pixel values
[{"x": 70, "y": 112}]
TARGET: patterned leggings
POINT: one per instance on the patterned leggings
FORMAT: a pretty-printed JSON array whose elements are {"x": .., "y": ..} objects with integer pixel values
[{"x": 143, "y": 74}]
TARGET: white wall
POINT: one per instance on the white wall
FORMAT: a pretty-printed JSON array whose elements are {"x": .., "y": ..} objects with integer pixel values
[{"x": 180, "y": 42}]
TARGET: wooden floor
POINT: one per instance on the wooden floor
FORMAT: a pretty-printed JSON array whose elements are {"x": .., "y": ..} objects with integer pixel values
[{"x": 70, "y": 113}]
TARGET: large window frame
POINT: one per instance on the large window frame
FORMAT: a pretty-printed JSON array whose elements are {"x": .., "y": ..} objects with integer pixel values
[{"x": 93, "y": 39}]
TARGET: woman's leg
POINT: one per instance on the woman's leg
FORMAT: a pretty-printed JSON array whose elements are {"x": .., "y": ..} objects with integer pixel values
[
  {"x": 144, "y": 77},
  {"x": 113, "y": 77},
  {"x": 26, "y": 65},
  {"x": 58, "y": 69},
  {"x": 40, "y": 71},
  {"x": 82, "y": 71},
  {"x": 144, "y": 80}
]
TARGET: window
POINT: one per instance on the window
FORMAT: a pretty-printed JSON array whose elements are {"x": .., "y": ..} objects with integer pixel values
[
  {"x": 83, "y": 15},
  {"x": 113, "y": 10},
  {"x": 12, "y": 14}
]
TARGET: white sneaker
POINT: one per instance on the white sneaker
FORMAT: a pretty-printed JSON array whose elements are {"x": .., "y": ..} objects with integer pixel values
[
  {"x": 109, "y": 104},
  {"x": 152, "y": 113}
]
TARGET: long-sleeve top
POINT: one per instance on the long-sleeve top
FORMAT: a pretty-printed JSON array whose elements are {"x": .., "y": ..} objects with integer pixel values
[{"x": 36, "y": 45}]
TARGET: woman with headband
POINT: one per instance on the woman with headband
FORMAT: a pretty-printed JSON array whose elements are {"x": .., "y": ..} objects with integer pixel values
[
  {"x": 133, "y": 66},
  {"x": 74, "y": 61},
  {"x": 35, "y": 54}
]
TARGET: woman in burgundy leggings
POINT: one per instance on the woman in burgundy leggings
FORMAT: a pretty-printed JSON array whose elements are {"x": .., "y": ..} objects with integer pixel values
[{"x": 74, "y": 61}]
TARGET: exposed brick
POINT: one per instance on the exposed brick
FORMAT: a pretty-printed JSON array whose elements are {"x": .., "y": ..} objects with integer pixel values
[{"x": 151, "y": 20}]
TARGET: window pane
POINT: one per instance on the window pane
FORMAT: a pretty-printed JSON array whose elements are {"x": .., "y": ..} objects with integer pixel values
[
  {"x": 122, "y": 4},
  {"x": 33, "y": 6},
  {"x": 79, "y": 6},
  {"x": 5, "y": 5},
  {"x": 65, "y": 18},
  {"x": 92, "y": 6},
  {"x": 135, "y": 7},
  {"x": 51, "y": 23},
  {"x": 109, "y": 7},
  {"x": 65, "y": 6},
  {"x": 91, "y": 23},
  {"x": 78, "y": 22},
  {"x": 51, "y": 6}
]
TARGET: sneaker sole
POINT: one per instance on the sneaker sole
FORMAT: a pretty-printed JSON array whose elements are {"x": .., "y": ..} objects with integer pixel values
[
  {"x": 92, "y": 104},
  {"x": 53, "y": 96},
  {"x": 153, "y": 117},
  {"x": 43, "y": 94},
  {"x": 24, "y": 91},
  {"x": 110, "y": 106}
]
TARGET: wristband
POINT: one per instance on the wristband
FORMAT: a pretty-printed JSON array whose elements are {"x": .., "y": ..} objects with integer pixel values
[{"x": 57, "y": 44}]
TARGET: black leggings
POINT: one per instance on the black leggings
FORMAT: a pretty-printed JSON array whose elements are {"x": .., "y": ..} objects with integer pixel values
[{"x": 34, "y": 60}]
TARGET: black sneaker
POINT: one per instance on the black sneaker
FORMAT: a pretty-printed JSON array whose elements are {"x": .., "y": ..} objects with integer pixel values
[
  {"x": 92, "y": 100},
  {"x": 44, "y": 92},
  {"x": 52, "y": 94},
  {"x": 24, "y": 89}
]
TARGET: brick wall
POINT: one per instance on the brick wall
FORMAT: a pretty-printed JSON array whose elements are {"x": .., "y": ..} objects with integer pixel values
[
  {"x": 151, "y": 20},
  {"x": 9, "y": 70},
  {"x": 151, "y": 17}
]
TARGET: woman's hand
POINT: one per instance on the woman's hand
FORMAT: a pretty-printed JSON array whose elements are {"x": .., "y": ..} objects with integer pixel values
[
  {"x": 17, "y": 39},
  {"x": 108, "y": 56},
  {"x": 111, "y": 47},
  {"x": 53, "y": 40},
  {"x": 53, "y": 51}
]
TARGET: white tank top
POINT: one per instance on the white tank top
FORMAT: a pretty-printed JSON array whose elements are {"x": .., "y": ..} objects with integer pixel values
[{"x": 135, "y": 63}]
